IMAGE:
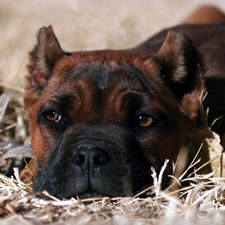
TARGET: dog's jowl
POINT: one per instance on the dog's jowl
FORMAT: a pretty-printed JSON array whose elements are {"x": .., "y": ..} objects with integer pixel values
[{"x": 101, "y": 119}]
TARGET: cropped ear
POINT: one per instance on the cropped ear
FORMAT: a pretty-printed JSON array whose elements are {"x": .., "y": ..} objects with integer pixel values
[
  {"x": 43, "y": 57},
  {"x": 179, "y": 64}
]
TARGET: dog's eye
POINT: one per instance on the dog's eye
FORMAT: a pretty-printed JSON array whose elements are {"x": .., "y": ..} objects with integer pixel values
[
  {"x": 52, "y": 116},
  {"x": 145, "y": 121}
]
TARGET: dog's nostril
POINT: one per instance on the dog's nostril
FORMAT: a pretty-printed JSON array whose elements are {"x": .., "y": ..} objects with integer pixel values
[
  {"x": 100, "y": 158},
  {"x": 80, "y": 159},
  {"x": 97, "y": 160},
  {"x": 93, "y": 157}
]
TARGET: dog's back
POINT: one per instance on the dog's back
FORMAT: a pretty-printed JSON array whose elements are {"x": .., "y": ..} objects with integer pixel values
[{"x": 204, "y": 15}]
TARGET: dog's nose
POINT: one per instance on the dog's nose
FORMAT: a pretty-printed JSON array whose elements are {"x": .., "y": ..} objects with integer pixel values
[{"x": 91, "y": 157}]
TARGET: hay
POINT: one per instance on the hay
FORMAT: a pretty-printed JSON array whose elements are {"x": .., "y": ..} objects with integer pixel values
[{"x": 202, "y": 202}]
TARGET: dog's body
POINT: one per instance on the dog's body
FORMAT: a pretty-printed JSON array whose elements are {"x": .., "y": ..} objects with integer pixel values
[
  {"x": 101, "y": 119},
  {"x": 205, "y": 14}
]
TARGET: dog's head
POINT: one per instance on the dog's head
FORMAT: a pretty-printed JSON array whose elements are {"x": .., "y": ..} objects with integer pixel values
[{"x": 101, "y": 119}]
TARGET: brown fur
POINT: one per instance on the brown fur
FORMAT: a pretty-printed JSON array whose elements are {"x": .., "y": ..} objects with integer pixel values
[
  {"x": 101, "y": 95},
  {"x": 205, "y": 14}
]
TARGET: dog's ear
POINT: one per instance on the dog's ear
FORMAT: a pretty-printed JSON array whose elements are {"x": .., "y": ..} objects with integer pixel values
[
  {"x": 179, "y": 64},
  {"x": 43, "y": 57}
]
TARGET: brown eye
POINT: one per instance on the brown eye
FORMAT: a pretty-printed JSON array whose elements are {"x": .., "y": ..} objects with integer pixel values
[
  {"x": 145, "y": 121},
  {"x": 53, "y": 116}
]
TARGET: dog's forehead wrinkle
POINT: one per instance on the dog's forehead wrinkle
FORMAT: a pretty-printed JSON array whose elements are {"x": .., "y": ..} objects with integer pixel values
[
  {"x": 106, "y": 74},
  {"x": 99, "y": 72},
  {"x": 61, "y": 96}
]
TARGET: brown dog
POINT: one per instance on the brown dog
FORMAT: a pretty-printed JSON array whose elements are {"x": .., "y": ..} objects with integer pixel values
[{"x": 101, "y": 119}]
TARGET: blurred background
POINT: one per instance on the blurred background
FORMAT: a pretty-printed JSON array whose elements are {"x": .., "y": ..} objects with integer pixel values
[{"x": 82, "y": 25}]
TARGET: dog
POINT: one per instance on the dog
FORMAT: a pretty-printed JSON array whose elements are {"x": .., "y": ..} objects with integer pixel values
[{"x": 101, "y": 119}]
